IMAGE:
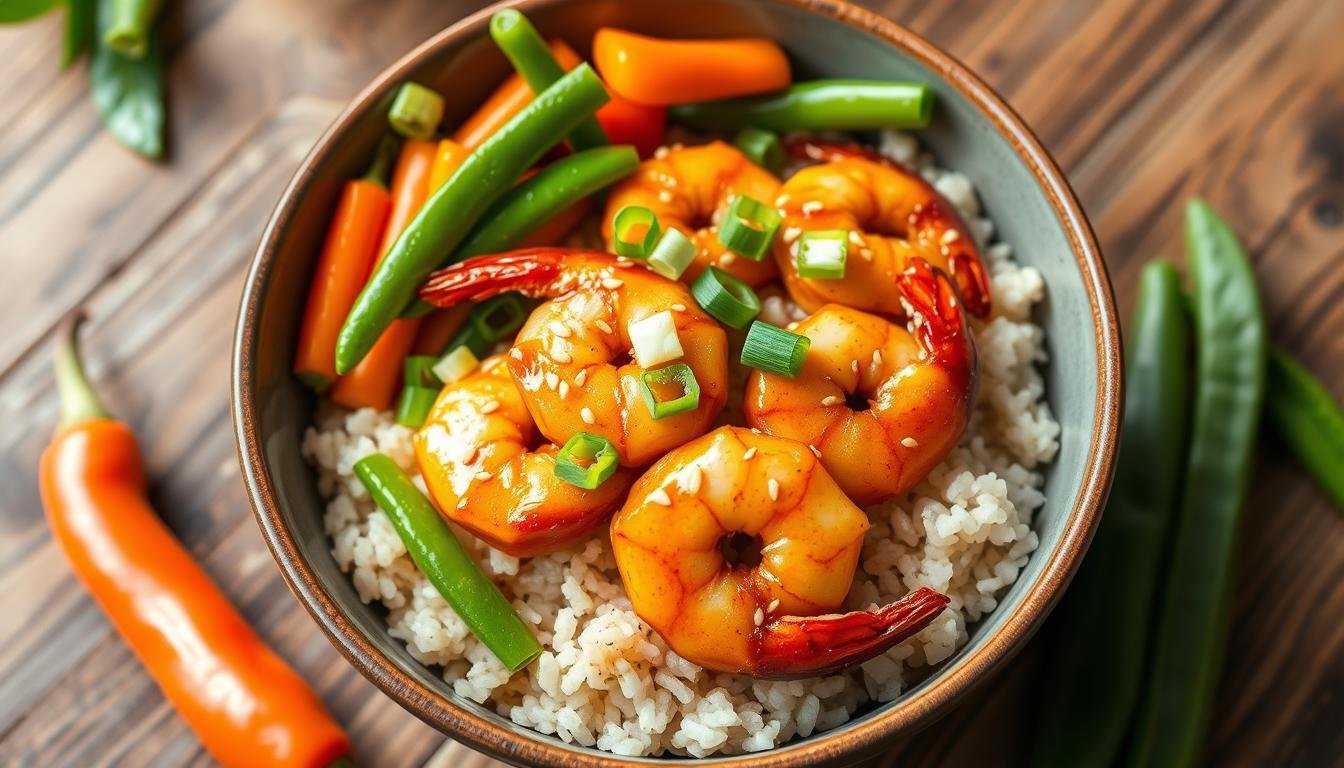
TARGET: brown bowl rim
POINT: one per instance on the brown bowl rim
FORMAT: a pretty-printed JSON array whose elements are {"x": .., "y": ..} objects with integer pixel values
[{"x": 846, "y": 743}]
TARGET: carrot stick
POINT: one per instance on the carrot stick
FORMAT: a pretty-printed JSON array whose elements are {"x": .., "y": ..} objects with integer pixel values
[
  {"x": 507, "y": 101},
  {"x": 661, "y": 72},
  {"x": 347, "y": 258},
  {"x": 439, "y": 328},
  {"x": 447, "y": 158},
  {"x": 374, "y": 381}
]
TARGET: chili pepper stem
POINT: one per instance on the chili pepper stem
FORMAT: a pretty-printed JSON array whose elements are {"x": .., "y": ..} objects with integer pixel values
[
  {"x": 79, "y": 401},
  {"x": 382, "y": 162}
]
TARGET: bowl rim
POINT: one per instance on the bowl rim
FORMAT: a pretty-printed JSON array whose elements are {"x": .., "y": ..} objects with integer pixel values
[{"x": 851, "y": 741}]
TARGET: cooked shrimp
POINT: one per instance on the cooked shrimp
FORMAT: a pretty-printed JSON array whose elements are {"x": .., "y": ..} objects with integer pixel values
[
  {"x": 690, "y": 188},
  {"x": 475, "y": 453},
  {"x": 892, "y": 216},
  {"x": 572, "y": 358},
  {"x": 882, "y": 404},
  {"x": 756, "y": 613}
]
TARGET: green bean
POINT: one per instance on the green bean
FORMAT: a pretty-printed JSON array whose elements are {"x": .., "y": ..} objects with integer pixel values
[
  {"x": 447, "y": 565},
  {"x": 485, "y": 176},
  {"x": 1099, "y": 633},
  {"x": 1188, "y": 645},
  {"x": 533, "y": 60},
  {"x": 818, "y": 105},
  {"x": 1309, "y": 421}
]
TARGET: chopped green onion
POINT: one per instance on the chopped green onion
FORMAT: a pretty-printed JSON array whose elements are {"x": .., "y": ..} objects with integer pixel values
[
  {"x": 748, "y": 227},
  {"x": 677, "y": 374},
  {"x": 630, "y": 221},
  {"x": 587, "y": 460},
  {"x": 418, "y": 370},
  {"x": 416, "y": 111},
  {"x": 672, "y": 255},
  {"x": 654, "y": 339},
  {"x": 497, "y": 318},
  {"x": 455, "y": 365},
  {"x": 822, "y": 253},
  {"x": 414, "y": 405},
  {"x": 446, "y": 563},
  {"x": 727, "y": 299},
  {"x": 774, "y": 350},
  {"x": 762, "y": 147}
]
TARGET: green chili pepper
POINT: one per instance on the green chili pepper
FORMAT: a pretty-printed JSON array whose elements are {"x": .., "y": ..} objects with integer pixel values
[
  {"x": 443, "y": 560},
  {"x": 1309, "y": 421},
  {"x": 131, "y": 20},
  {"x": 1191, "y": 632},
  {"x": 818, "y": 105},
  {"x": 128, "y": 92},
  {"x": 533, "y": 60},
  {"x": 1099, "y": 633},
  {"x": 485, "y": 176}
]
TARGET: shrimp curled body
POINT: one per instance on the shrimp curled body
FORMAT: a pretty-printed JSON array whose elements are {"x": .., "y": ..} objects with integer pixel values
[
  {"x": 882, "y": 404},
  {"x": 572, "y": 358},
  {"x": 475, "y": 455},
  {"x": 757, "y": 618},
  {"x": 893, "y": 216}
]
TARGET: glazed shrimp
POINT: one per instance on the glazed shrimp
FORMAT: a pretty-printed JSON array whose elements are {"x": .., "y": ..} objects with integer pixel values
[
  {"x": 475, "y": 454},
  {"x": 572, "y": 358},
  {"x": 761, "y": 615},
  {"x": 892, "y": 215},
  {"x": 690, "y": 188},
  {"x": 882, "y": 404}
]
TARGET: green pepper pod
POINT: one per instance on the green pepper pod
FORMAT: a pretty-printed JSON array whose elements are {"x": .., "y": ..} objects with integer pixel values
[
  {"x": 818, "y": 105},
  {"x": 1192, "y": 623},
  {"x": 447, "y": 565},
  {"x": 450, "y": 213},
  {"x": 1309, "y": 421},
  {"x": 532, "y": 58},
  {"x": 1099, "y": 633}
]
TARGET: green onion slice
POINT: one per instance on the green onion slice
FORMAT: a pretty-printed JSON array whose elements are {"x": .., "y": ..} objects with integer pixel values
[
  {"x": 456, "y": 364},
  {"x": 635, "y": 231},
  {"x": 587, "y": 460},
  {"x": 821, "y": 254},
  {"x": 774, "y": 350},
  {"x": 748, "y": 227},
  {"x": 416, "y": 111},
  {"x": 672, "y": 255},
  {"x": 498, "y": 317},
  {"x": 727, "y": 299},
  {"x": 414, "y": 405},
  {"x": 677, "y": 377},
  {"x": 762, "y": 146}
]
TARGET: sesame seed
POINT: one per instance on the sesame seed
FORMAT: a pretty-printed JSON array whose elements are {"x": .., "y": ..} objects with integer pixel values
[
  {"x": 951, "y": 236},
  {"x": 678, "y": 307},
  {"x": 664, "y": 196},
  {"x": 750, "y": 452},
  {"x": 811, "y": 206},
  {"x": 944, "y": 250},
  {"x": 854, "y": 366},
  {"x": 909, "y": 442},
  {"x": 612, "y": 283},
  {"x": 624, "y": 263},
  {"x": 603, "y": 325},
  {"x": 792, "y": 233},
  {"x": 877, "y": 357},
  {"x": 866, "y": 253},
  {"x": 759, "y": 617},
  {"x": 830, "y": 400},
  {"x": 782, "y": 200},
  {"x": 587, "y": 415},
  {"x": 483, "y": 475},
  {"x": 855, "y": 238},
  {"x": 755, "y": 431},
  {"x": 727, "y": 258},
  {"x": 660, "y": 152},
  {"x": 516, "y": 353},
  {"x": 792, "y": 326},
  {"x": 815, "y": 450},
  {"x": 564, "y": 389},
  {"x": 772, "y": 487},
  {"x": 582, "y": 375},
  {"x": 490, "y": 407},
  {"x": 552, "y": 380},
  {"x": 561, "y": 356},
  {"x": 560, "y": 329},
  {"x": 462, "y": 503},
  {"x": 772, "y": 606},
  {"x": 659, "y": 496}
]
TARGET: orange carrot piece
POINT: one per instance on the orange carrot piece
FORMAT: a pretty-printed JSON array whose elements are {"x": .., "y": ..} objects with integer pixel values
[
  {"x": 447, "y": 159},
  {"x": 439, "y": 328},
  {"x": 659, "y": 72},
  {"x": 507, "y": 101}
]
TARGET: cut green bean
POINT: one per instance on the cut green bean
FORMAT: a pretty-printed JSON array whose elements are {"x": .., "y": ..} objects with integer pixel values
[
  {"x": 446, "y": 564},
  {"x": 416, "y": 111},
  {"x": 1309, "y": 420},
  {"x": 818, "y": 105},
  {"x": 485, "y": 176},
  {"x": 414, "y": 405},
  {"x": 762, "y": 146},
  {"x": 1098, "y": 637},
  {"x": 1191, "y": 632},
  {"x": 533, "y": 60}
]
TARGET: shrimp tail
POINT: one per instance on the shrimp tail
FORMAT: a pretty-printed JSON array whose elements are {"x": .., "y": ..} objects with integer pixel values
[
  {"x": 530, "y": 271},
  {"x": 804, "y": 646},
  {"x": 932, "y": 304}
]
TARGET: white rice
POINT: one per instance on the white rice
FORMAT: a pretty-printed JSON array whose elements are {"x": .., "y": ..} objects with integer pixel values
[{"x": 607, "y": 680}]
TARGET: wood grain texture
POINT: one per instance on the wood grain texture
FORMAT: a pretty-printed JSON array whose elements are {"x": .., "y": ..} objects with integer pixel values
[{"x": 1142, "y": 103}]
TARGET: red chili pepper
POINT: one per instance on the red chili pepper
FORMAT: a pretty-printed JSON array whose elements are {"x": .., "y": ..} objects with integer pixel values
[
  {"x": 629, "y": 123},
  {"x": 246, "y": 705}
]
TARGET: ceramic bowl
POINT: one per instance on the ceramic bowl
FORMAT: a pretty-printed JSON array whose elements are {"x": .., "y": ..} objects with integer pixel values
[{"x": 973, "y": 132}]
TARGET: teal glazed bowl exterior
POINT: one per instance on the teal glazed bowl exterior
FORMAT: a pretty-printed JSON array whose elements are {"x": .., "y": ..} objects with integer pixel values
[{"x": 973, "y": 132}]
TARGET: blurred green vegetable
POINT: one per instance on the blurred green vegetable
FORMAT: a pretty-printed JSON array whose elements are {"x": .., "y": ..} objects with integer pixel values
[
  {"x": 1309, "y": 421},
  {"x": 129, "y": 26},
  {"x": 22, "y": 10},
  {"x": 127, "y": 92}
]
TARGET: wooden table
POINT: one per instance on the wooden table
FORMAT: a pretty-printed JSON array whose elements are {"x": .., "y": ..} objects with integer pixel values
[{"x": 1144, "y": 103}]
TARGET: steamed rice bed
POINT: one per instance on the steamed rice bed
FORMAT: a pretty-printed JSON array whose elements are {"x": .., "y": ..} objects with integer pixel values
[{"x": 607, "y": 680}]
